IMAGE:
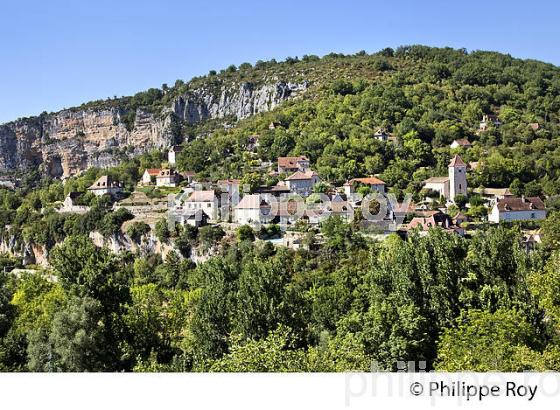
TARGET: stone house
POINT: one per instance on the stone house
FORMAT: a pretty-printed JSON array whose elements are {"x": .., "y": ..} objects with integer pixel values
[
  {"x": 106, "y": 186},
  {"x": 460, "y": 143},
  {"x": 167, "y": 178}
]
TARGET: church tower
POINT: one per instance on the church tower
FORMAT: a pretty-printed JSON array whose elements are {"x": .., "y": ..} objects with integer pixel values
[{"x": 457, "y": 177}]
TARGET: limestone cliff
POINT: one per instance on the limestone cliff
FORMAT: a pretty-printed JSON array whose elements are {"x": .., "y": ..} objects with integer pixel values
[
  {"x": 70, "y": 141},
  {"x": 240, "y": 102}
]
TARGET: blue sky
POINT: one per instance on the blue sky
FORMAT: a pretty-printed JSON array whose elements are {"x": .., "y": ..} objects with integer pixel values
[{"x": 58, "y": 54}]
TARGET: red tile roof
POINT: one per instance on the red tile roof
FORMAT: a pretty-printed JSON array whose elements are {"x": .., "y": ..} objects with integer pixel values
[
  {"x": 368, "y": 181},
  {"x": 290, "y": 162},
  {"x": 153, "y": 171}
]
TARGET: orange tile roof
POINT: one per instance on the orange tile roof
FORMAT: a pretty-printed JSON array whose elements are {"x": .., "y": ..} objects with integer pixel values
[{"x": 368, "y": 181}]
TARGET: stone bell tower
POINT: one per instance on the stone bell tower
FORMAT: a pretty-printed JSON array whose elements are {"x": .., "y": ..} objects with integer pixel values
[{"x": 457, "y": 177}]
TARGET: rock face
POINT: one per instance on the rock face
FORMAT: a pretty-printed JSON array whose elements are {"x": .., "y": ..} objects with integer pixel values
[
  {"x": 70, "y": 141},
  {"x": 240, "y": 103}
]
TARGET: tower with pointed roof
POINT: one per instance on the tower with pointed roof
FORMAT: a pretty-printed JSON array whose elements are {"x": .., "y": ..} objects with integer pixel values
[{"x": 457, "y": 177}]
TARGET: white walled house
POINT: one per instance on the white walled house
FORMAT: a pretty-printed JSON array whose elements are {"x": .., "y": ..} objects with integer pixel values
[
  {"x": 488, "y": 119},
  {"x": 252, "y": 210},
  {"x": 438, "y": 184},
  {"x": 302, "y": 183},
  {"x": 207, "y": 201},
  {"x": 105, "y": 186},
  {"x": 381, "y": 135},
  {"x": 517, "y": 209},
  {"x": 149, "y": 176}
]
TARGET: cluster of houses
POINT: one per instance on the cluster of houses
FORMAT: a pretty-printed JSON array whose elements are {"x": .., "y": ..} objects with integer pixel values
[
  {"x": 227, "y": 202},
  {"x": 167, "y": 177}
]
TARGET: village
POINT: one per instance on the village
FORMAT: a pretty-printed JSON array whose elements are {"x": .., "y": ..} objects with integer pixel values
[{"x": 302, "y": 199}]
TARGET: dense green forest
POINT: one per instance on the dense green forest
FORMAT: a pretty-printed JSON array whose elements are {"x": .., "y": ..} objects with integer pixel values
[
  {"x": 457, "y": 304},
  {"x": 480, "y": 303}
]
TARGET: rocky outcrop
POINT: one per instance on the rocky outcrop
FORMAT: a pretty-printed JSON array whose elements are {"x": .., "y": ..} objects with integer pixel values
[
  {"x": 30, "y": 253},
  {"x": 70, "y": 141},
  {"x": 148, "y": 245},
  {"x": 242, "y": 102}
]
